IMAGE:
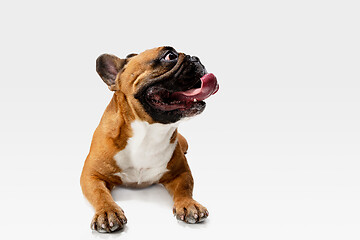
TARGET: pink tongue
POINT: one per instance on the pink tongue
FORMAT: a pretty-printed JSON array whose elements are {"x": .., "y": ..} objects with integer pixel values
[{"x": 209, "y": 86}]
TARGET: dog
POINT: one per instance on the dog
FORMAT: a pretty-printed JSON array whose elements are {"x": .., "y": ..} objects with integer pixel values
[{"x": 137, "y": 143}]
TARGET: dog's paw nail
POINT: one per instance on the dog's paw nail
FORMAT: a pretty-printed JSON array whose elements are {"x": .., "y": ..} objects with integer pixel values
[
  {"x": 103, "y": 226},
  {"x": 196, "y": 216},
  {"x": 202, "y": 215},
  {"x": 93, "y": 226},
  {"x": 191, "y": 220},
  {"x": 111, "y": 224}
]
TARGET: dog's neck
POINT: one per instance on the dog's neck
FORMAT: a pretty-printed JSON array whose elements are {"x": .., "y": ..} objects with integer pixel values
[
  {"x": 120, "y": 115},
  {"x": 125, "y": 105}
]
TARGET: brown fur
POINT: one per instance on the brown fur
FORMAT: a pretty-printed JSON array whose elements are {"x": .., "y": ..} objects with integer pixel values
[{"x": 110, "y": 137}]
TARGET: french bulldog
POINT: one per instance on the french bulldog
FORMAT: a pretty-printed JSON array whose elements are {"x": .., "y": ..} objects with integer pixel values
[{"x": 137, "y": 143}]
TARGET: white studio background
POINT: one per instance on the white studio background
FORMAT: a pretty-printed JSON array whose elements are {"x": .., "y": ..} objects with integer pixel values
[{"x": 275, "y": 155}]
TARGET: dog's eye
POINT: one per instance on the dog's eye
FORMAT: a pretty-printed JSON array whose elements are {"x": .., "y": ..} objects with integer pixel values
[{"x": 170, "y": 56}]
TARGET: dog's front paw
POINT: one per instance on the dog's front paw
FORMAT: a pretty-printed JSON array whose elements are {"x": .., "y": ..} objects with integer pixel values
[
  {"x": 108, "y": 220},
  {"x": 190, "y": 211}
]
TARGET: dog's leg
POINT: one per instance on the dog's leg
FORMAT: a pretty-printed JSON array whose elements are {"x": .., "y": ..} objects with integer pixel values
[
  {"x": 179, "y": 182},
  {"x": 108, "y": 216}
]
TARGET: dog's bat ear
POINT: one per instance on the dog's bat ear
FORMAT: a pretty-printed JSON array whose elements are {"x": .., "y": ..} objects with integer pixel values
[{"x": 108, "y": 66}]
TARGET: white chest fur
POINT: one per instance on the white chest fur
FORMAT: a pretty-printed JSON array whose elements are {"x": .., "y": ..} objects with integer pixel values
[{"x": 147, "y": 153}]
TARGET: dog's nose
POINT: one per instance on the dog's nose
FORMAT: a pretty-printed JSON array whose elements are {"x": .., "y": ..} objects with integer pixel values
[{"x": 194, "y": 59}]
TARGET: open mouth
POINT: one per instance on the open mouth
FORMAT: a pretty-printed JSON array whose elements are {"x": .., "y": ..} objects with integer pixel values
[{"x": 168, "y": 100}]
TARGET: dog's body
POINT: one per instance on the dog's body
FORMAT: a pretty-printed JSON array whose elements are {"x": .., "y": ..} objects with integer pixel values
[
  {"x": 136, "y": 143},
  {"x": 144, "y": 159}
]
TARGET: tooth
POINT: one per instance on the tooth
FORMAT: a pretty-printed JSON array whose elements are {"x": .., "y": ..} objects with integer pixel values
[{"x": 195, "y": 100}]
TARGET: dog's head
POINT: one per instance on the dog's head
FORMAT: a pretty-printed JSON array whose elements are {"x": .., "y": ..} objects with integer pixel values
[{"x": 166, "y": 84}]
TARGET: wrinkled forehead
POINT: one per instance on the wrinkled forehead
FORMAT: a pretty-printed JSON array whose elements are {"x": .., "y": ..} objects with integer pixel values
[
  {"x": 146, "y": 61},
  {"x": 145, "y": 66},
  {"x": 154, "y": 53}
]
